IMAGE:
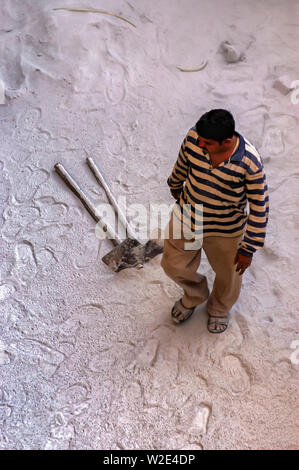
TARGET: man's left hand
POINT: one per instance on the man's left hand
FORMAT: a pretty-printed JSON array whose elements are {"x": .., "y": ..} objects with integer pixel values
[{"x": 242, "y": 262}]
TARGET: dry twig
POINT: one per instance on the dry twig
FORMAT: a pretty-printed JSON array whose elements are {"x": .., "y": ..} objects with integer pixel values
[
  {"x": 194, "y": 70},
  {"x": 94, "y": 10}
]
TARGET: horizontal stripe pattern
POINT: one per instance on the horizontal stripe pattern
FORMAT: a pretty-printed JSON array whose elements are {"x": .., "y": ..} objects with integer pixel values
[{"x": 218, "y": 196}]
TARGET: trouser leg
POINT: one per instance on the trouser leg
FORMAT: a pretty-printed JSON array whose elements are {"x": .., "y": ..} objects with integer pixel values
[
  {"x": 181, "y": 266},
  {"x": 221, "y": 252}
]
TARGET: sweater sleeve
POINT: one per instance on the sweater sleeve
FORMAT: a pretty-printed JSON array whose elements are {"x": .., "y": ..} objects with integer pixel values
[
  {"x": 180, "y": 170},
  {"x": 258, "y": 198}
]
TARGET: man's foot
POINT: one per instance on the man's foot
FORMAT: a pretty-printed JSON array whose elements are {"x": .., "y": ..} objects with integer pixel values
[
  {"x": 217, "y": 324},
  {"x": 179, "y": 313}
]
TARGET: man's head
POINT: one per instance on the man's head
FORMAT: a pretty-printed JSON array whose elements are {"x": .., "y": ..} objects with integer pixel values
[{"x": 215, "y": 130}]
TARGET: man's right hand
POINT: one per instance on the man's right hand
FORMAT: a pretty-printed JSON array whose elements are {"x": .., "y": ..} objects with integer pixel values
[{"x": 176, "y": 193}]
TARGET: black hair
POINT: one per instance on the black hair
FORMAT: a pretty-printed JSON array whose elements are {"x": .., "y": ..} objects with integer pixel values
[{"x": 217, "y": 124}]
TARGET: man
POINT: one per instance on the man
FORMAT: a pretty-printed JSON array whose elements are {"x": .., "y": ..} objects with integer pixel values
[{"x": 217, "y": 171}]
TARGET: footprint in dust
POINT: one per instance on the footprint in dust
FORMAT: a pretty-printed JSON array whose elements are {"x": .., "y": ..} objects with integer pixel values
[
  {"x": 28, "y": 119},
  {"x": 236, "y": 376},
  {"x": 45, "y": 260},
  {"x": 25, "y": 264},
  {"x": 87, "y": 251},
  {"x": 147, "y": 353},
  {"x": 15, "y": 221},
  {"x": 115, "y": 140},
  {"x": 73, "y": 400},
  {"x": 29, "y": 182},
  {"x": 194, "y": 417},
  {"x": 6, "y": 290},
  {"x": 201, "y": 418},
  {"x": 244, "y": 326},
  {"x": 273, "y": 139},
  {"x": 115, "y": 90},
  {"x": 4, "y": 184},
  {"x": 5, "y": 412},
  {"x": 73, "y": 394}
]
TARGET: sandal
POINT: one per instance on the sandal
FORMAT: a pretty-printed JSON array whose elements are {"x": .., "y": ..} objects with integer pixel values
[
  {"x": 179, "y": 313},
  {"x": 217, "y": 324}
]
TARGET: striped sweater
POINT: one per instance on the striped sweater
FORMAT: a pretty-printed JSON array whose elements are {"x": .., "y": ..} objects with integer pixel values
[{"x": 223, "y": 192}]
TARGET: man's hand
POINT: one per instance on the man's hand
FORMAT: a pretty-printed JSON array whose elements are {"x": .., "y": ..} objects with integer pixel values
[
  {"x": 176, "y": 193},
  {"x": 242, "y": 262}
]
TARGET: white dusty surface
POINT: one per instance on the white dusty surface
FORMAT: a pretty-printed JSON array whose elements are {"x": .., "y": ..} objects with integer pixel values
[{"x": 89, "y": 358}]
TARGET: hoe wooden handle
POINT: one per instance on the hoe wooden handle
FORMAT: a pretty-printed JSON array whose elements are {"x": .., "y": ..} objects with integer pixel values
[{"x": 75, "y": 188}]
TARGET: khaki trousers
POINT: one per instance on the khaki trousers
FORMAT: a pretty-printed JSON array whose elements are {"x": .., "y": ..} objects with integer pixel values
[{"x": 181, "y": 266}]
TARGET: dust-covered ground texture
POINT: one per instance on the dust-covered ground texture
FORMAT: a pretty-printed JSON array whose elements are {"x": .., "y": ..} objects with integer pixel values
[{"x": 90, "y": 359}]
